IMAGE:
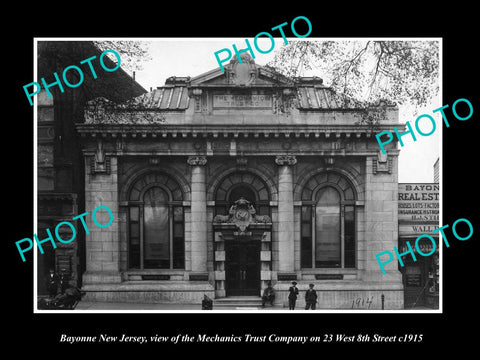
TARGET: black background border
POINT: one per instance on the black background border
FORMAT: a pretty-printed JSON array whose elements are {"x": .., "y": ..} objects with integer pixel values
[{"x": 460, "y": 74}]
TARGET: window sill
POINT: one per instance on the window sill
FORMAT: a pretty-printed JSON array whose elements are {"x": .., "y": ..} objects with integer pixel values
[
  {"x": 154, "y": 272},
  {"x": 154, "y": 275}
]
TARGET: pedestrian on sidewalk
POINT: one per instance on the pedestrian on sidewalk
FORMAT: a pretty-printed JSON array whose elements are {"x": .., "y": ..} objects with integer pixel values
[
  {"x": 292, "y": 295},
  {"x": 310, "y": 298},
  {"x": 268, "y": 295}
]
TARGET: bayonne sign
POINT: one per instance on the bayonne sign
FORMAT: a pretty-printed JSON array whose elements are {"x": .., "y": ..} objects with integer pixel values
[{"x": 418, "y": 208}]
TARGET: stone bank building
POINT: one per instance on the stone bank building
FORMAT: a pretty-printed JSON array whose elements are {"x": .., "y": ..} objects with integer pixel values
[{"x": 224, "y": 182}]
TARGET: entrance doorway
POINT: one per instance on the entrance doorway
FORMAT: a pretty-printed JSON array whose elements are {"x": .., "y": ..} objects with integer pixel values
[{"x": 242, "y": 268}]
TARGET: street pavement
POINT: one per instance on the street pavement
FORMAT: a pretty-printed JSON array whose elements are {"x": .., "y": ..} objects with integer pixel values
[
  {"x": 83, "y": 305},
  {"x": 121, "y": 307}
]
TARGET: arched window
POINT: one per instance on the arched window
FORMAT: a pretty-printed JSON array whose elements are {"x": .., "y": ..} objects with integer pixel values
[
  {"x": 156, "y": 224},
  {"x": 327, "y": 228},
  {"x": 328, "y": 223},
  {"x": 242, "y": 184}
]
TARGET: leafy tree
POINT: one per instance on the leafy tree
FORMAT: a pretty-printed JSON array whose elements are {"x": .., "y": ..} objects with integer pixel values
[
  {"x": 133, "y": 111},
  {"x": 404, "y": 72},
  {"x": 133, "y": 53}
]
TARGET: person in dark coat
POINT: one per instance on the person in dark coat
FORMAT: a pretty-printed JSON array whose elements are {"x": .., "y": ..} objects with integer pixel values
[
  {"x": 268, "y": 295},
  {"x": 207, "y": 303},
  {"x": 310, "y": 298},
  {"x": 292, "y": 295},
  {"x": 52, "y": 283}
]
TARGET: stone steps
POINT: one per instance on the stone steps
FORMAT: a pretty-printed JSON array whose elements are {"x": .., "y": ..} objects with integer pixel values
[{"x": 238, "y": 302}]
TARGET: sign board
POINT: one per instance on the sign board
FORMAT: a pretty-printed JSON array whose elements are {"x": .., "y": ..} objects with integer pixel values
[
  {"x": 287, "y": 277},
  {"x": 198, "y": 277},
  {"x": 242, "y": 101},
  {"x": 418, "y": 229},
  {"x": 413, "y": 276},
  {"x": 413, "y": 280},
  {"x": 418, "y": 203},
  {"x": 424, "y": 245}
]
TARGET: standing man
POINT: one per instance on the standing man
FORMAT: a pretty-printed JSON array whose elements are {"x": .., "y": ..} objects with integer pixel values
[
  {"x": 52, "y": 283},
  {"x": 292, "y": 296},
  {"x": 310, "y": 298}
]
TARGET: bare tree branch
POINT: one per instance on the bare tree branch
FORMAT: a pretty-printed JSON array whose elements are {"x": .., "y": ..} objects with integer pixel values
[{"x": 400, "y": 71}]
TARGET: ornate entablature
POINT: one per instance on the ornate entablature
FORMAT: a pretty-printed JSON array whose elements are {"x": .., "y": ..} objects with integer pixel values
[{"x": 242, "y": 214}]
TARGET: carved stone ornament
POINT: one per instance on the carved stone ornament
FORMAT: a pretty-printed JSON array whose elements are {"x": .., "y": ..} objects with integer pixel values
[
  {"x": 120, "y": 144},
  {"x": 329, "y": 160},
  {"x": 197, "y": 95},
  {"x": 197, "y": 160},
  {"x": 100, "y": 163},
  {"x": 243, "y": 74},
  {"x": 284, "y": 101},
  {"x": 382, "y": 163},
  {"x": 154, "y": 161},
  {"x": 241, "y": 163},
  {"x": 286, "y": 160},
  {"x": 242, "y": 214}
]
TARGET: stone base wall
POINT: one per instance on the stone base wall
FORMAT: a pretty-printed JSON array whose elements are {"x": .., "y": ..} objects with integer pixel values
[
  {"x": 150, "y": 292},
  {"x": 353, "y": 296}
]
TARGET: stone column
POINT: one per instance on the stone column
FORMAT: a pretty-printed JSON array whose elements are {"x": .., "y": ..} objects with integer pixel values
[
  {"x": 285, "y": 213},
  {"x": 198, "y": 214}
]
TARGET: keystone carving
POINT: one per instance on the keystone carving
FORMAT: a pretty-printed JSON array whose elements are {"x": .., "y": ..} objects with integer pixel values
[
  {"x": 197, "y": 160},
  {"x": 286, "y": 160}
]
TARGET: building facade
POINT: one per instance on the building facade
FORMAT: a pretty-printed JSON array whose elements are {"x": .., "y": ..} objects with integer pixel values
[
  {"x": 418, "y": 214},
  {"x": 60, "y": 170},
  {"x": 224, "y": 182}
]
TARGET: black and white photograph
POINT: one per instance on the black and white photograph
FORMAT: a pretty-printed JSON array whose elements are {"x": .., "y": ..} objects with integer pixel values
[
  {"x": 223, "y": 188},
  {"x": 273, "y": 181}
]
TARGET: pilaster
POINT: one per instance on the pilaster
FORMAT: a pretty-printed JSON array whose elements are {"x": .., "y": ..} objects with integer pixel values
[
  {"x": 381, "y": 224},
  {"x": 102, "y": 244},
  {"x": 285, "y": 213},
  {"x": 198, "y": 215}
]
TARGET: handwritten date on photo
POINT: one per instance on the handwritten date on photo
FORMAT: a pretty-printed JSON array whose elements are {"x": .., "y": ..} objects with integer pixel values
[{"x": 376, "y": 338}]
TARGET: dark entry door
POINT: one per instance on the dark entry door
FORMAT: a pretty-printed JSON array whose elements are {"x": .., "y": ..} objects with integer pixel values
[{"x": 242, "y": 268}]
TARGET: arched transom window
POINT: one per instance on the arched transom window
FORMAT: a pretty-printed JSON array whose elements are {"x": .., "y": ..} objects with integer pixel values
[{"x": 242, "y": 184}]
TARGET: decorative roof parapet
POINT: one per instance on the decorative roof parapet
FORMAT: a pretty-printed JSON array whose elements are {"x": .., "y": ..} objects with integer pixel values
[{"x": 307, "y": 94}]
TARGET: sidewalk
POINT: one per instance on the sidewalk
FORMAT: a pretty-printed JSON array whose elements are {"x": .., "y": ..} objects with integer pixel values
[
  {"x": 85, "y": 305},
  {"x": 107, "y": 306}
]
